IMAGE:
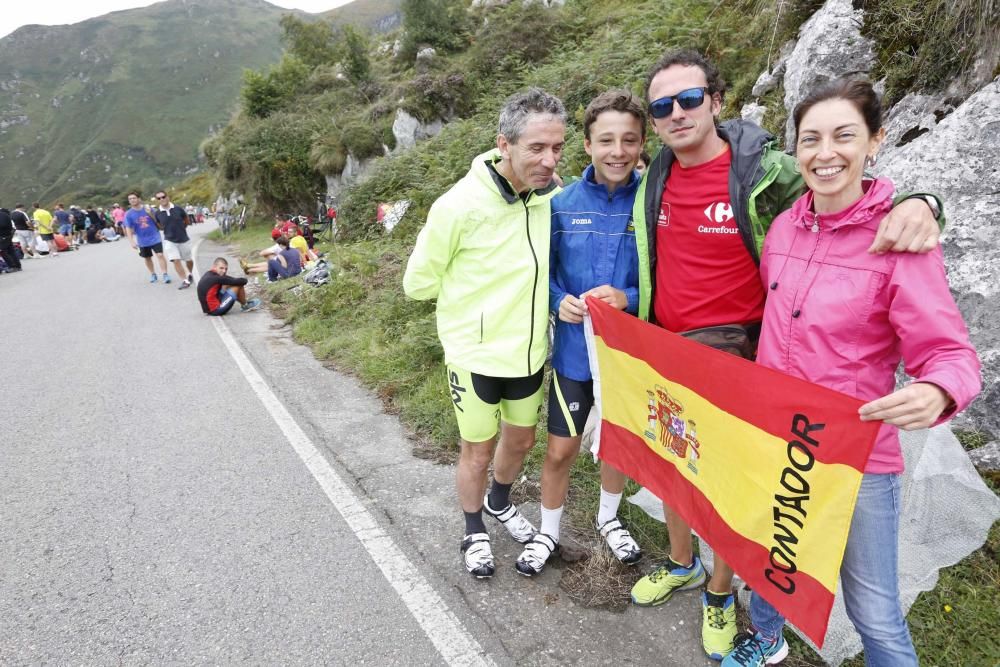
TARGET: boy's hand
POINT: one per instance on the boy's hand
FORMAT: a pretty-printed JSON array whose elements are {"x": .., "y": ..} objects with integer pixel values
[
  {"x": 609, "y": 295},
  {"x": 572, "y": 309},
  {"x": 908, "y": 227},
  {"x": 915, "y": 406}
]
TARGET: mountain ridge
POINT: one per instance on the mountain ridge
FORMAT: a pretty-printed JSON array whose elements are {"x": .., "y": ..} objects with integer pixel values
[{"x": 123, "y": 100}]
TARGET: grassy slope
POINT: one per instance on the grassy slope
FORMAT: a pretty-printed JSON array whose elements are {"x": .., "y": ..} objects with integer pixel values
[
  {"x": 364, "y": 13},
  {"x": 362, "y": 323},
  {"x": 133, "y": 105}
]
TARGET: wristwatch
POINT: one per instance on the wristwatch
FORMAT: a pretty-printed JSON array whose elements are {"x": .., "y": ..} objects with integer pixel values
[{"x": 933, "y": 203}]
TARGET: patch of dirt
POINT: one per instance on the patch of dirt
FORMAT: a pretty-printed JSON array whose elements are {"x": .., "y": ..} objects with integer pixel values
[
  {"x": 600, "y": 581},
  {"x": 426, "y": 450}
]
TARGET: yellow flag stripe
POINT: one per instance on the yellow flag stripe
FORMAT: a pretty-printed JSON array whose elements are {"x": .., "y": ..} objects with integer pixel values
[{"x": 740, "y": 468}]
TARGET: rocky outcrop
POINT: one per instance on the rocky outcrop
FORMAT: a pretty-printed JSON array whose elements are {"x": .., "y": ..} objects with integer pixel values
[
  {"x": 409, "y": 130},
  {"x": 425, "y": 59},
  {"x": 932, "y": 146},
  {"x": 958, "y": 157},
  {"x": 830, "y": 45},
  {"x": 355, "y": 171}
]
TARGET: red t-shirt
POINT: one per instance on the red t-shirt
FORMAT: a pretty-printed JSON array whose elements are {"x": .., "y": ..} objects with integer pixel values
[{"x": 704, "y": 274}]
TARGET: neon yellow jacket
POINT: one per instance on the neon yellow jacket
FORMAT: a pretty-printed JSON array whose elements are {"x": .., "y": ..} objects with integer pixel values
[{"x": 484, "y": 255}]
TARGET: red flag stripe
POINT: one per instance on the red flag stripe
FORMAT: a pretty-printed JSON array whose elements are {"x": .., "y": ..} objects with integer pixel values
[
  {"x": 699, "y": 368},
  {"x": 810, "y": 604}
]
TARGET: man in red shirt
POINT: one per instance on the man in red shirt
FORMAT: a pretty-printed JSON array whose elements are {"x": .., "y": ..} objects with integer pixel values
[{"x": 706, "y": 204}]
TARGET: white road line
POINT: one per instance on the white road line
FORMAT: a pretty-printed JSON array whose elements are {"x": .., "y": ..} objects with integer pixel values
[{"x": 445, "y": 631}]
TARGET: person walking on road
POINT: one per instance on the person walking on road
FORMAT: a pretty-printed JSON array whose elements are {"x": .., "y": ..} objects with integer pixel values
[
  {"x": 484, "y": 255},
  {"x": 217, "y": 292},
  {"x": 118, "y": 216},
  {"x": 22, "y": 230},
  {"x": 173, "y": 220},
  {"x": 145, "y": 237}
]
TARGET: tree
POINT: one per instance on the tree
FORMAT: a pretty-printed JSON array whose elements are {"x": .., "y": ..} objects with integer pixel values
[
  {"x": 356, "y": 63},
  {"x": 439, "y": 23},
  {"x": 263, "y": 94},
  {"x": 312, "y": 42}
]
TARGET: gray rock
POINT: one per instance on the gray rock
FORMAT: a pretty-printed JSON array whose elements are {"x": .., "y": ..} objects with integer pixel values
[
  {"x": 987, "y": 457},
  {"x": 355, "y": 171},
  {"x": 769, "y": 79},
  {"x": 425, "y": 57},
  {"x": 959, "y": 159},
  {"x": 830, "y": 45},
  {"x": 912, "y": 116},
  {"x": 409, "y": 130},
  {"x": 753, "y": 112}
]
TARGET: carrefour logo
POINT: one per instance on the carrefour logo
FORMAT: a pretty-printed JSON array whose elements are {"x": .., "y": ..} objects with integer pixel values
[{"x": 719, "y": 212}]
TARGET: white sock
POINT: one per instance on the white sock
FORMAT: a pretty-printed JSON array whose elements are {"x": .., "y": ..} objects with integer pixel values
[
  {"x": 608, "y": 509},
  {"x": 551, "y": 520}
]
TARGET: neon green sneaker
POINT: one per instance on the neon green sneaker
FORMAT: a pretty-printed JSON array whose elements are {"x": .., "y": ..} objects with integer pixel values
[
  {"x": 718, "y": 628},
  {"x": 657, "y": 586}
]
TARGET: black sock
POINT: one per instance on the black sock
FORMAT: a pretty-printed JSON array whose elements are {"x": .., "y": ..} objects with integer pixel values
[
  {"x": 674, "y": 564},
  {"x": 474, "y": 522},
  {"x": 499, "y": 495},
  {"x": 716, "y": 599}
]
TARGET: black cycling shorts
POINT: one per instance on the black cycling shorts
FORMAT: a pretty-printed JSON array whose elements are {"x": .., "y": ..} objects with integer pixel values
[{"x": 570, "y": 402}]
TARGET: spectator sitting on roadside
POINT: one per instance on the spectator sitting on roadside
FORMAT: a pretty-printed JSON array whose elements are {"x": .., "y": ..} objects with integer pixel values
[
  {"x": 94, "y": 234},
  {"x": 287, "y": 263},
  {"x": 109, "y": 234},
  {"x": 299, "y": 243},
  {"x": 217, "y": 292}
]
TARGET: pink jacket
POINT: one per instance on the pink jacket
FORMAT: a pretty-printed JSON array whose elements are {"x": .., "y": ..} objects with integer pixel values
[{"x": 842, "y": 318}]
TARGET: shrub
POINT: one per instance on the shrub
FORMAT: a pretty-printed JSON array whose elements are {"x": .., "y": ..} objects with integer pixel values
[{"x": 438, "y": 23}]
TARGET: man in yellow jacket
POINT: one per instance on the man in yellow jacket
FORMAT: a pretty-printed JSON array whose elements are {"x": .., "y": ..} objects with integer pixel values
[{"x": 484, "y": 255}]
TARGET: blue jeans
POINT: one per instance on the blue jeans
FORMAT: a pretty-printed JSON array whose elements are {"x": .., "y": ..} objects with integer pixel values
[{"x": 869, "y": 578}]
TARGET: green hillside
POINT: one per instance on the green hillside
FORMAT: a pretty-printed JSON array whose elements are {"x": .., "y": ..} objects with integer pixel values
[
  {"x": 124, "y": 100},
  {"x": 377, "y": 15}
]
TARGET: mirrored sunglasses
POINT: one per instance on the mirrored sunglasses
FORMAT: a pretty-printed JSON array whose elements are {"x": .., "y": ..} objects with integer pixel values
[{"x": 692, "y": 98}]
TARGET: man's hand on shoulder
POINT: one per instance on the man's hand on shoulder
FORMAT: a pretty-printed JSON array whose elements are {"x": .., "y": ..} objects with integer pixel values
[{"x": 909, "y": 227}]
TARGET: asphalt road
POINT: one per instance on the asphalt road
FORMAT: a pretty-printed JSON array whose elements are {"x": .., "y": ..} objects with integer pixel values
[{"x": 156, "y": 511}]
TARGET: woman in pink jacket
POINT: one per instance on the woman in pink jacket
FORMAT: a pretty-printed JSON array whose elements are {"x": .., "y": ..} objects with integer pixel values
[{"x": 843, "y": 318}]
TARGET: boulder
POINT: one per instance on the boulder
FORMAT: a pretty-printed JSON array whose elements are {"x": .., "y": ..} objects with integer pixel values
[
  {"x": 355, "y": 170},
  {"x": 408, "y": 130},
  {"x": 769, "y": 79},
  {"x": 958, "y": 158},
  {"x": 986, "y": 458},
  {"x": 829, "y": 46},
  {"x": 912, "y": 116},
  {"x": 753, "y": 112},
  {"x": 425, "y": 58}
]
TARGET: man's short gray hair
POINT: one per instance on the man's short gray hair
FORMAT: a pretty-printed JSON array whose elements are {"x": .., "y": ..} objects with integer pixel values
[{"x": 518, "y": 107}]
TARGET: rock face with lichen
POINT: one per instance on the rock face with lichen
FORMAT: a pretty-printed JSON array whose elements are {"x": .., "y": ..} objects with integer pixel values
[
  {"x": 956, "y": 155},
  {"x": 934, "y": 143},
  {"x": 830, "y": 45}
]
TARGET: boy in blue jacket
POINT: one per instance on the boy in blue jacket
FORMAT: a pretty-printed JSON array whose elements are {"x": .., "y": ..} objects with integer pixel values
[{"x": 592, "y": 253}]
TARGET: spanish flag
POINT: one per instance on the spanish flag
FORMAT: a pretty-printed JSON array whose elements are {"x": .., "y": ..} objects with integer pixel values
[{"x": 763, "y": 466}]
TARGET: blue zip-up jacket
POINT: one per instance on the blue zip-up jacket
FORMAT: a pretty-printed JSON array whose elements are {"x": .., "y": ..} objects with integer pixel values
[{"x": 593, "y": 244}]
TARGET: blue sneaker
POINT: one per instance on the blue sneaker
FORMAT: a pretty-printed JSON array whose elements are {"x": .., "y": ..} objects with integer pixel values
[
  {"x": 166, "y": 278},
  {"x": 756, "y": 651},
  {"x": 152, "y": 277},
  {"x": 252, "y": 304}
]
